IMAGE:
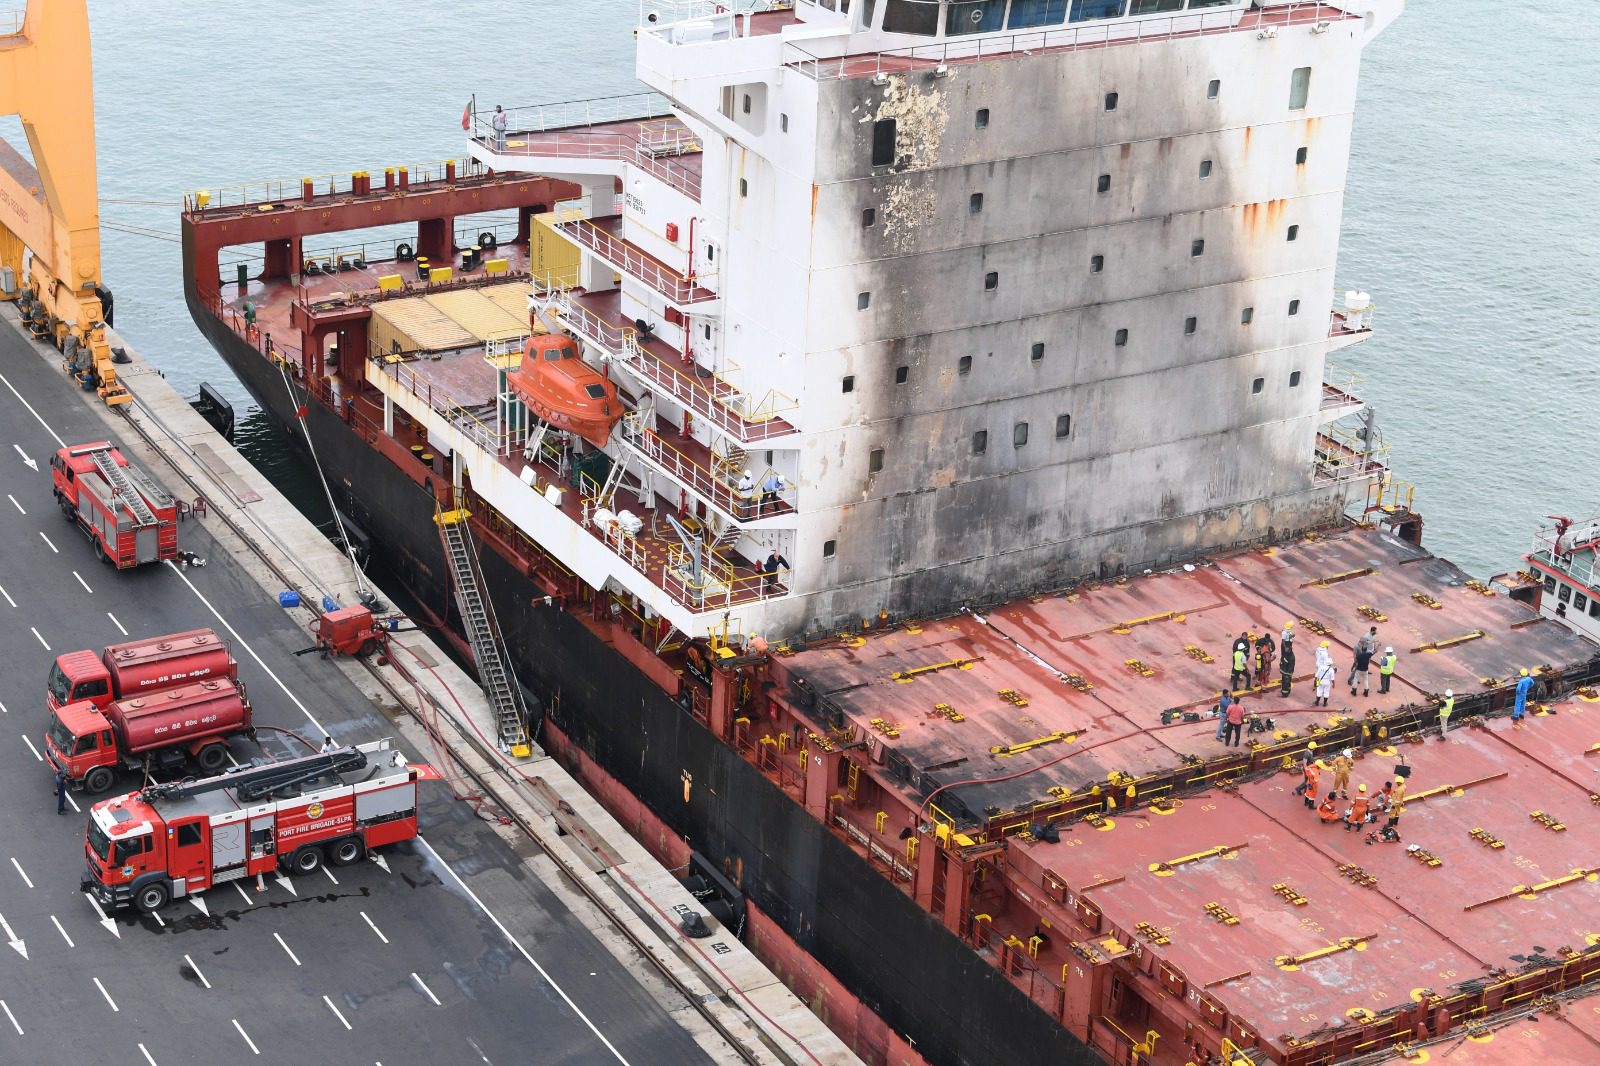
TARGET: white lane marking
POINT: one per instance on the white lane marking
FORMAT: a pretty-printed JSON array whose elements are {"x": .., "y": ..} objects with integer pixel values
[
  {"x": 423, "y": 985},
  {"x": 82, "y": 582},
  {"x": 32, "y": 412},
  {"x": 14, "y": 503},
  {"x": 246, "y": 646},
  {"x": 253, "y": 1049},
  {"x": 159, "y": 920},
  {"x": 3, "y": 709},
  {"x": 7, "y": 595},
  {"x": 31, "y": 748},
  {"x": 329, "y": 872},
  {"x": 24, "y": 874},
  {"x": 116, "y": 623},
  {"x": 374, "y": 928},
  {"x": 110, "y": 925},
  {"x": 285, "y": 947},
  {"x": 74, "y": 804},
  {"x": 243, "y": 893},
  {"x": 336, "y": 1013},
  {"x": 48, "y": 541},
  {"x": 116, "y": 1009},
  {"x": 146, "y": 1055},
  {"x": 524, "y": 952},
  {"x": 27, "y": 460},
  {"x": 63, "y": 932},
  {"x": 16, "y": 942},
  {"x": 13, "y": 1018},
  {"x": 46, "y": 643},
  {"x": 197, "y": 972}
]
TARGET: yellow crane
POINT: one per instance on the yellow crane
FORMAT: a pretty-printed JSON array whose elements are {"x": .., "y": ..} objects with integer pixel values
[{"x": 50, "y": 209}]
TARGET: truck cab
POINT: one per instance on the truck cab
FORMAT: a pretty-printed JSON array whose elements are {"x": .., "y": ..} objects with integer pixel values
[
  {"x": 80, "y": 742},
  {"x": 124, "y": 853},
  {"x": 78, "y": 675}
]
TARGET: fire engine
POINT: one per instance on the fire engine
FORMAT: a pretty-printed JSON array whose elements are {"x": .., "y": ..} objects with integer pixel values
[
  {"x": 123, "y": 513},
  {"x": 180, "y": 838}
]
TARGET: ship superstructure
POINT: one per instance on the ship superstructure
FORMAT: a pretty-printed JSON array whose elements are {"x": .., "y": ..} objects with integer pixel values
[{"x": 933, "y": 322}]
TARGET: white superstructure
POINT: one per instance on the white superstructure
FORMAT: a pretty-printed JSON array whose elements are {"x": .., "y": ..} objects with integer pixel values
[{"x": 1006, "y": 294}]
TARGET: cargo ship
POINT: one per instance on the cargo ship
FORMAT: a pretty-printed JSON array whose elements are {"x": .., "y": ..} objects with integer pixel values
[{"x": 881, "y": 436}]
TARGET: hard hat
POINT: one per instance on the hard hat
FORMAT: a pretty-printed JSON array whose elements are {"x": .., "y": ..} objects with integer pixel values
[
  {"x": 1348, "y": 752},
  {"x": 1388, "y": 651},
  {"x": 748, "y": 474},
  {"x": 1363, "y": 788},
  {"x": 1311, "y": 745},
  {"x": 1324, "y": 644},
  {"x": 1524, "y": 671},
  {"x": 1448, "y": 693},
  {"x": 1288, "y": 625}
]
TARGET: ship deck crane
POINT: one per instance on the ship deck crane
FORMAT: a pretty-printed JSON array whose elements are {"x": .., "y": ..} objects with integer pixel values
[{"x": 50, "y": 208}]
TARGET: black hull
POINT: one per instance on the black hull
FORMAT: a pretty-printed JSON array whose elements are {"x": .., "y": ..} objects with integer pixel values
[{"x": 903, "y": 964}]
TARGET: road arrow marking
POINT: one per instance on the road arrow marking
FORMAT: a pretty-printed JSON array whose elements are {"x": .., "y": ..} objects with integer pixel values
[
  {"x": 381, "y": 861},
  {"x": 200, "y": 905},
  {"x": 11, "y": 938},
  {"x": 30, "y": 463},
  {"x": 110, "y": 925},
  {"x": 286, "y": 883}
]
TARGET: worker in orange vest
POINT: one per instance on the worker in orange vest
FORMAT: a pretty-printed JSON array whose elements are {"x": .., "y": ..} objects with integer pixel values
[
  {"x": 1357, "y": 817},
  {"x": 1308, "y": 787},
  {"x": 1385, "y": 796},
  {"x": 1329, "y": 810}
]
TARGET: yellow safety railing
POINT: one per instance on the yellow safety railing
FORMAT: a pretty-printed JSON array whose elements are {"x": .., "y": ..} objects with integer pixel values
[{"x": 278, "y": 190}]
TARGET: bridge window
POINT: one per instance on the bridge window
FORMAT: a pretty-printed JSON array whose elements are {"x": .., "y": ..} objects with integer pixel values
[
  {"x": 1063, "y": 426},
  {"x": 1213, "y": 88},
  {"x": 1294, "y": 308},
  {"x": 875, "y": 460},
  {"x": 973, "y": 16},
  {"x": 828, "y": 548},
  {"x": 1580, "y": 601},
  {"x": 1257, "y": 385},
  {"x": 1299, "y": 88},
  {"x": 980, "y": 442},
  {"x": 1025, "y": 13},
  {"x": 883, "y": 135},
  {"x": 1564, "y": 593},
  {"x": 1089, "y": 10},
  {"x": 911, "y": 16},
  {"x": 1294, "y": 379},
  {"x": 1154, "y": 7},
  {"x": 1594, "y": 608}
]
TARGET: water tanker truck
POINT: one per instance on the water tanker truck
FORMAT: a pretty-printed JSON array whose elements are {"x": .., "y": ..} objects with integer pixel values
[{"x": 136, "y": 667}]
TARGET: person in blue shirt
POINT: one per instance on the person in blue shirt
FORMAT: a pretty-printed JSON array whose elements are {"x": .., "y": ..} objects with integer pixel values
[
  {"x": 1223, "y": 704},
  {"x": 1520, "y": 708}
]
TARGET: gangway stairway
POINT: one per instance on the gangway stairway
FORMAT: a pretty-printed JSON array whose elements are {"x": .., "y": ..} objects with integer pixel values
[
  {"x": 121, "y": 486},
  {"x": 483, "y": 633}
]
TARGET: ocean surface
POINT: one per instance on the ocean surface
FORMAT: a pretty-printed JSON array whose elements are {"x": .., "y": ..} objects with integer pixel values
[{"x": 1470, "y": 216}]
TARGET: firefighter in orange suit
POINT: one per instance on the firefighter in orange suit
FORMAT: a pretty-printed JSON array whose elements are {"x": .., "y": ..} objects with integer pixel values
[
  {"x": 1308, "y": 787},
  {"x": 1329, "y": 810},
  {"x": 1342, "y": 765}
]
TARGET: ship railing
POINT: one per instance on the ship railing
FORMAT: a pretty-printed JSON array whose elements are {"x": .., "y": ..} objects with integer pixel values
[
  {"x": 281, "y": 190},
  {"x": 656, "y": 16},
  {"x": 1344, "y": 456},
  {"x": 719, "y": 488},
  {"x": 1338, "y": 385},
  {"x": 619, "y": 146},
  {"x": 1021, "y": 963},
  {"x": 681, "y": 289},
  {"x": 1580, "y": 565},
  {"x": 1391, "y": 497},
  {"x": 1005, "y": 46},
  {"x": 250, "y": 332},
  {"x": 720, "y": 586},
  {"x": 338, "y": 258},
  {"x": 572, "y": 114},
  {"x": 611, "y": 535}
]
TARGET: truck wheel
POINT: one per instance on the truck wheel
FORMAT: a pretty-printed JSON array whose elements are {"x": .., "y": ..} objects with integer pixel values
[
  {"x": 211, "y": 757},
  {"x": 98, "y": 780},
  {"x": 347, "y": 852},
  {"x": 69, "y": 512},
  {"x": 305, "y": 861},
  {"x": 100, "y": 551},
  {"x": 151, "y": 897}
]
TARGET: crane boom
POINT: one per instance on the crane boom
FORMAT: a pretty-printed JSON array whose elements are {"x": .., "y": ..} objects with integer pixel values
[{"x": 50, "y": 208}]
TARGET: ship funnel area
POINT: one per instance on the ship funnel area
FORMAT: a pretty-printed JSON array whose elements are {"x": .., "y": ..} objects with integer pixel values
[{"x": 49, "y": 208}]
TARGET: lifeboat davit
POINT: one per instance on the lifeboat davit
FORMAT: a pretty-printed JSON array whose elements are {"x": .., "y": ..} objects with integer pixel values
[{"x": 563, "y": 390}]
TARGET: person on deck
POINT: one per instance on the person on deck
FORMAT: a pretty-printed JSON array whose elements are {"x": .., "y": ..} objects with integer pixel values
[
  {"x": 498, "y": 121},
  {"x": 1356, "y": 817},
  {"x": 1519, "y": 709},
  {"x": 1325, "y": 675},
  {"x": 1386, "y": 669},
  {"x": 1342, "y": 765},
  {"x": 1223, "y": 703},
  {"x": 1447, "y": 706},
  {"x": 1286, "y": 667},
  {"x": 1266, "y": 651},
  {"x": 1235, "y": 724},
  {"x": 1328, "y": 810},
  {"x": 1240, "y": 677},
  {"x": 1308, "y": 787},
  {"x": 772, "y": 567},
  {"x": 1365, "y": 649}
]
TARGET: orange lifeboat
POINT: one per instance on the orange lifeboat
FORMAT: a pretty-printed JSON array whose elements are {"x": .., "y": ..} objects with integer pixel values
[{"x": 563, "y": 390}]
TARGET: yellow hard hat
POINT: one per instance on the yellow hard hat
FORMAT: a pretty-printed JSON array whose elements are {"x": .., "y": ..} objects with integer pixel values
[
  {"x": 1524, "y": 671},
  {"x": 1324, "y": 644},
  {"x": 1288, "y": 625},
  {"x": 1363, "y": 788}
]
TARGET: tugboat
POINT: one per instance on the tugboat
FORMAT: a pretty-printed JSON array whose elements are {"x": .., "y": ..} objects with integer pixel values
[{"x": 1562, "y": 579}]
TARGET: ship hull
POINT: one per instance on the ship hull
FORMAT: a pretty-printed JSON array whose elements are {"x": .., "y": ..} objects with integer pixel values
[{"x": 955, "y": 1007}]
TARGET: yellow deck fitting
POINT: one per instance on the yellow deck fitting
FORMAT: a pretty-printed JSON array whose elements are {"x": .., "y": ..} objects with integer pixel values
[
  {"x": 1199, "y": 655},
  {"x": 452, "y": 518},
  {"x": 944, "y": 710},
  {"x": 1356, "y": 874},
  {"x": 1210, "y": 853},
  {"x": 1486, "y": 838},
  {"x": 1127, "y": 627},
  {"x": 1440, "y": 790},
  {"x": 1450, "y": 642},
  {"x": 1344, "y": 943},
  {"x": 918, "y": 671},
  {"x": 1427, "y": 601},
  {"x": 1290, "y": 894},
  {"x": 1079, "y": 682},
  {"x": 1315, "y": 626},
  {"x": 1334, "y": 579},
  {"x": 1426, "y": 857},
  {"x": 1532, "y": 891},
  {"x": 1371, "y": 613},
  {"x": 1479, "y": 587},
  {"x": 1139, "y": 668},
  {"x": 1222, "y": 914},
  {"x": 1013, "y": 697},
  {"x": 888, "y": 729},
  {"x": 1028, "y": 745},
  {"x": 1152, "y": 934},
  {"x": 1547, "y": 821}
]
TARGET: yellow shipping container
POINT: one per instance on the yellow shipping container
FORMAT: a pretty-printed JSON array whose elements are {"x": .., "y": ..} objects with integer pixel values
[
  {"x": 478, "y": 315},
  {"x": 414, "y": 325},
  {"x": 552, "y": 258}
]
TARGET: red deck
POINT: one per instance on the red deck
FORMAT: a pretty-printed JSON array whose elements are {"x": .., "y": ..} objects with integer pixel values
[{"x": 661, "y": 145}]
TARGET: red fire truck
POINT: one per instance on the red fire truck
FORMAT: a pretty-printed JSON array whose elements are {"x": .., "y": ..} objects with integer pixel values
[
  {"x": 137, "y": 667},
  {"x": 152, "y": 731},
  {"x": 180, "y": 838},
  {"x": 127, "y": 518}
]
